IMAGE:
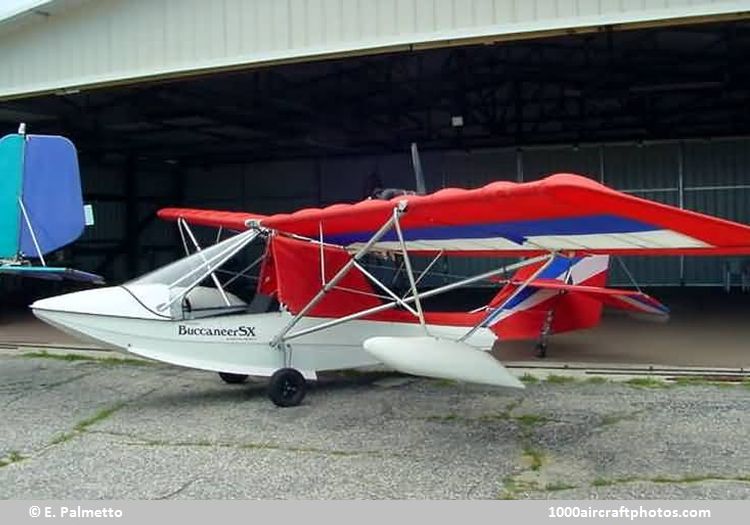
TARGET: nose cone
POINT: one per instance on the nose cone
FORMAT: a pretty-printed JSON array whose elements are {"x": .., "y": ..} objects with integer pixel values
[
  {"x": 97, "y": 301},
  {"x": 111, "y": 301}
]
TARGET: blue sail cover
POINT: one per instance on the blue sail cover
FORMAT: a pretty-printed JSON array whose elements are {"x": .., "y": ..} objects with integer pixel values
[
  {"x": 51, "y": 194},
  {"x": 11, "y": 176}
]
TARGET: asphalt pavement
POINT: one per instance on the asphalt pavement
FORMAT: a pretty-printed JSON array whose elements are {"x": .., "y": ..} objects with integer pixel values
[{"x": 96, "y": 427}]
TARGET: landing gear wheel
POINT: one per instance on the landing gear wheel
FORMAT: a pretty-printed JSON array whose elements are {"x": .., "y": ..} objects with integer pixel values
[
  {"x": 541, "y": 350},
  {"x": 232, "y": 379},
  {"x": 287, "y": 387}
]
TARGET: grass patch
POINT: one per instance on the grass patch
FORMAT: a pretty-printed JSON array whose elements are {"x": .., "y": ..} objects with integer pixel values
[
  {"x": 553, "y": 487},
  {"x": 596, "y": 380},
  {"x": 103, "y": 414},
  {"x": 445, "y": 383},
  {"x": 646, "y": 382},
  {"x": 500, "y": 416},
  {"x": 443, "y": 417},
  {"x": 690, "y": 478},
  {"x": 512, "y": 486},
  {"x": 705, "y": 381},
  {"x": 613, "y": 419},
  {"x": 78, "y": 357},
  {"x": 308, "y": 450},
  {"x": 529, "y": 379},
  {"x": 603, "y": 482},
  {"x": 62, "y": 438},
  {"x": 692, "y": 381},
  {"x": 123, "y": 361},
  {"x": 59, "y": 357},
  {"x": 13, "y": 457},
  {"x": 530, "y": 420},
  {"x": 693, "y": 478},
  {"x": 535, "y": 456},
  {"x": 560, "y": 380}
]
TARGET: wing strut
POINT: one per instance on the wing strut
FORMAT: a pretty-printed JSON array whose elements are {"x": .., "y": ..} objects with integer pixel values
[
  {"x": 385, "y": 228},
  {"x": 493, "y": 314},
  {"x": 213, "y": 275},
  {"x": 409, "y": 271},
  {"x": 424, "y": 295}
]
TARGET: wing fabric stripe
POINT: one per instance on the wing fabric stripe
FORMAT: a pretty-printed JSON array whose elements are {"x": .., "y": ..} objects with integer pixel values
[{"x": 516, "y": 231}]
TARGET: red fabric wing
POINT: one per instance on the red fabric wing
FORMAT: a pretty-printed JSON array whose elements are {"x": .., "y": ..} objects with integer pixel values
[
  {"x": 233, "y": 220},
  {"x": 556, "y": 197}
]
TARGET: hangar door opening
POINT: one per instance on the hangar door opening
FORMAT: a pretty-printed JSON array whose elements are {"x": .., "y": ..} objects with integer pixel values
[{"x": 661, "y": 113}]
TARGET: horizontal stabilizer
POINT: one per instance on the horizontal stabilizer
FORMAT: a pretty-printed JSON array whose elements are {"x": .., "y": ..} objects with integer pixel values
[
  {"x": 51, "y": 273},
  {"x": 442, "y": 358},
  {"x": 629, "y": 300}
]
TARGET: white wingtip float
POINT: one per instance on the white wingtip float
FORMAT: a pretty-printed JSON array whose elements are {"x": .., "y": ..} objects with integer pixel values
[
  {"x": 442, "y": 358},
  {"x": 340, "y": 287}
]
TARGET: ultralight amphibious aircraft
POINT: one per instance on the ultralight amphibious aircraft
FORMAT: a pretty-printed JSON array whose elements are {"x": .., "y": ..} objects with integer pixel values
[{"x": 318, "y": 306}]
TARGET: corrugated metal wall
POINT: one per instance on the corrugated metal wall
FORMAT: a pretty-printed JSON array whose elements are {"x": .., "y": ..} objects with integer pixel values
[
  {"x": 713, "y": 177},
  {"x": 707, "y": 176},
  {"x": 111, "y": 40}
]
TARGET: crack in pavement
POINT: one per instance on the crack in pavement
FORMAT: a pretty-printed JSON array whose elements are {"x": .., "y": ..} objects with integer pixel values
[
  {"x": 251, "y": 445},
  {"x": 82, "y": 426},
  {"x": 181, "y": 488},
  {"x": 46, "y": 386}
]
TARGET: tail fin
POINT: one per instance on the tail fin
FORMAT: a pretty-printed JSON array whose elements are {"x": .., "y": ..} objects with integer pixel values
[
  {"x": 524, "y": 312},
  {"x": 41, "y": 204}
]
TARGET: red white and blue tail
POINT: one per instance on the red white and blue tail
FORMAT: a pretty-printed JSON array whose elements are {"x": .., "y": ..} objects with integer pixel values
[{"x": 568, "y": 293}]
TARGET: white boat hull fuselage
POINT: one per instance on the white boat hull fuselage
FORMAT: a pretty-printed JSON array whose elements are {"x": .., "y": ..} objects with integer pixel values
[{"x": 236, "y": 343}]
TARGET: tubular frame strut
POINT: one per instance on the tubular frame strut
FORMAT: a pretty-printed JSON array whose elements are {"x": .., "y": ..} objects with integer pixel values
[
  {"x": 430, "y": 293},
  {"x": 31, "y": 231},
  {"x": 213, "y": 274},
  {"x": 409, "y": 272},
  {"x": 490, "y": 317},
  {"x": 280, "y": 338}
]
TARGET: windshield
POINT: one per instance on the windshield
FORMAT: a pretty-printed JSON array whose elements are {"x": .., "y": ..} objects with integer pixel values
[
  {"x": 193, "y": 282},
  {"x": 188, "y": 272}
]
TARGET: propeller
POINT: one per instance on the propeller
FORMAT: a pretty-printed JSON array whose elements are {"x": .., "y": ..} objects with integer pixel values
[{"x": 418, "y": 173}]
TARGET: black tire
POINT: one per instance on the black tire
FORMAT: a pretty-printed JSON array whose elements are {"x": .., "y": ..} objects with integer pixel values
[
  {"x": 287, "y": 387},
  {"x": 232, "y": 379}
]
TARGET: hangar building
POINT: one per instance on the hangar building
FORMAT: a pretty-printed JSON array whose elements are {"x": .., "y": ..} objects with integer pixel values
[{"x": 273, "y": 105}]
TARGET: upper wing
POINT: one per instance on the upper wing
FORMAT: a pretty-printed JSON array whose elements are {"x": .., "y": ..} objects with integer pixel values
[
  {"x": 233, "y": 220},
  {"x": 559, "y": 213}
]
